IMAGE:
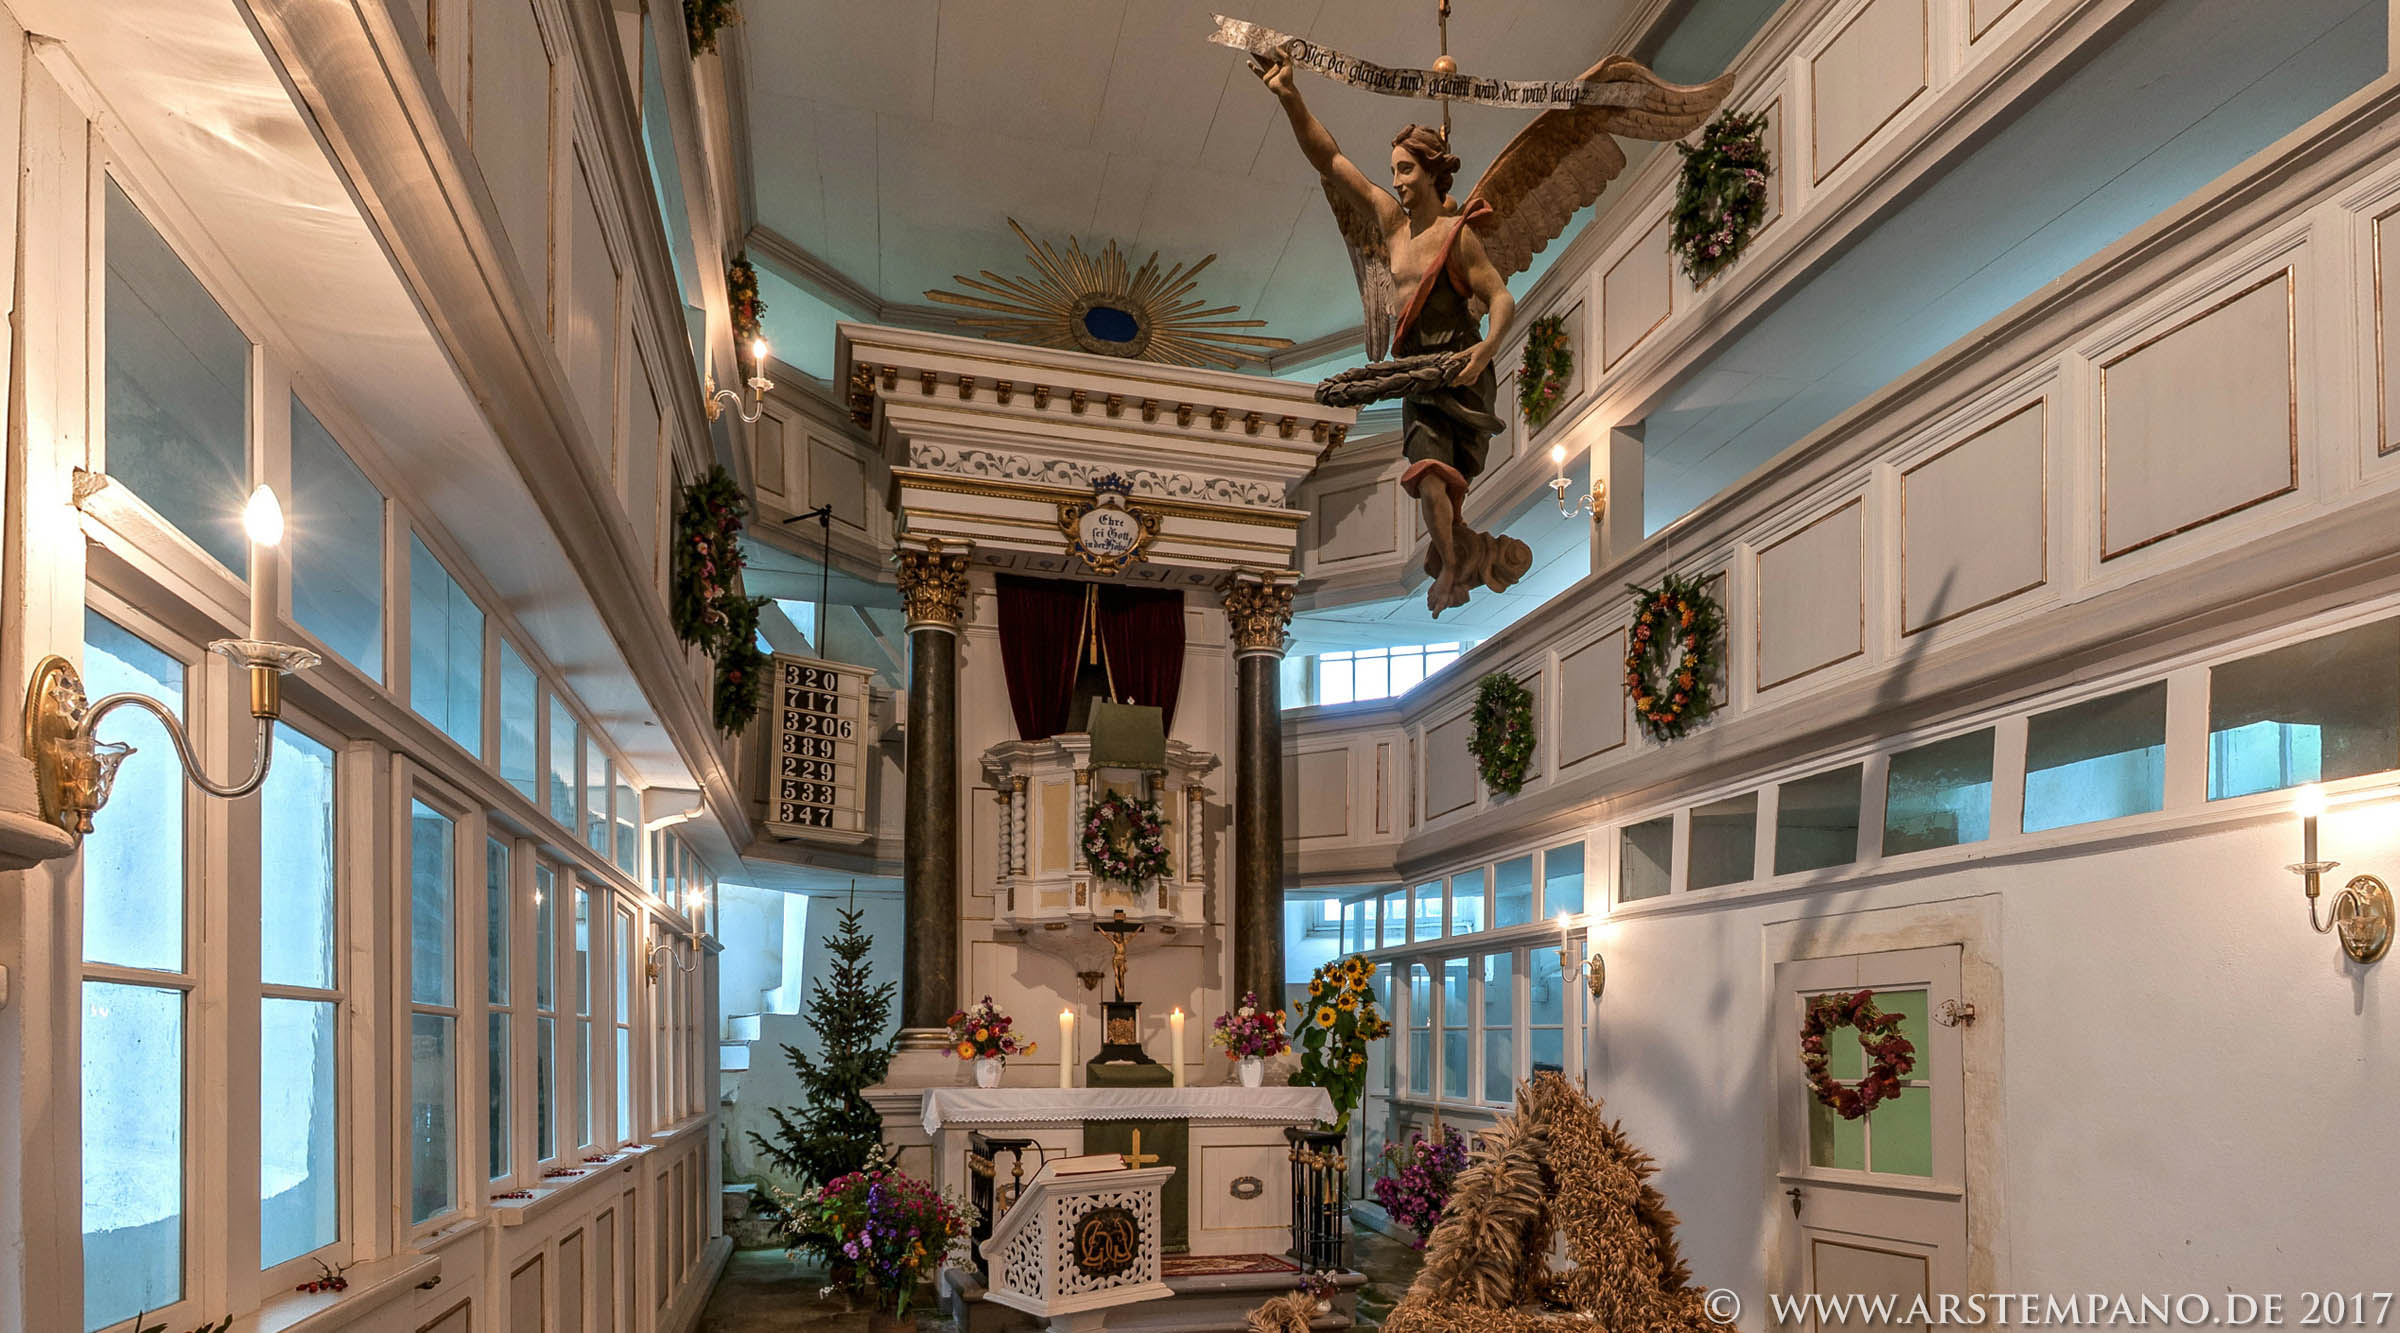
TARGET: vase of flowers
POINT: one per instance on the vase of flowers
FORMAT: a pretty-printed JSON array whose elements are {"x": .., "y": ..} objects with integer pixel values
[
  {"x": 1250, "y": 1036},
  {"x": 1417, "y": 1180},
  {"x": 983, "y": 1034},
  {"x": 1335, "y": 1024},
  {"x": 884, "y": 1232}
]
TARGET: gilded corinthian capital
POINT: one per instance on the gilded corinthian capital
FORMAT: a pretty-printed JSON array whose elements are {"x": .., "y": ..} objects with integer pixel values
[
  {"x": 933, "y": 585},
  {"x": 1258, "y": 611}
]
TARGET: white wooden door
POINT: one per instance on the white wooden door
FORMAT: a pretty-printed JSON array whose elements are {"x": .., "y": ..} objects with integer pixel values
[{"x": 1872, "y": 1207}]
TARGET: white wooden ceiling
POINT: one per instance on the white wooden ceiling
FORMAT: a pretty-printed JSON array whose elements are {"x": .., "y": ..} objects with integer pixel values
[{"x": 891, "y": 140}]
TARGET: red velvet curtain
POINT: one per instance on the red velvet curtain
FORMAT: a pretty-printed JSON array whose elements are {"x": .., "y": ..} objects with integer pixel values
[
  {"x": 1142, "y": 629},
  {"x": 1040, "y": 625}
]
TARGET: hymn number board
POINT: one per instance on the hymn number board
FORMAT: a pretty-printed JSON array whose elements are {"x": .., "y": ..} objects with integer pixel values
[{"x": 816, "y": 777}]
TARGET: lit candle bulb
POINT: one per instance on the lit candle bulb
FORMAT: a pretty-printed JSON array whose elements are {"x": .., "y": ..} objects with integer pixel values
[
  {"x": 1066, "y": 1048},
  {"x": 1558, "y": 456},
  {"x": 1175, "y": 1030},
  {"x": 262, "y": 518},
  {"x": 758, "y": 355},
  {"x": 2310, "y": 803}
]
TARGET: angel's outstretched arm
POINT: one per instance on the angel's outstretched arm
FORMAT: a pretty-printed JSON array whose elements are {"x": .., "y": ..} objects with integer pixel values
[
  {"x": 1316, "y": 142},
  {"x": 1484, "y": 280}
]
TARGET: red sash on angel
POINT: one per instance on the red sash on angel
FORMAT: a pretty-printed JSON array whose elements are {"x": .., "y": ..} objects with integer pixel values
[{"x": 1475, "y": 208}]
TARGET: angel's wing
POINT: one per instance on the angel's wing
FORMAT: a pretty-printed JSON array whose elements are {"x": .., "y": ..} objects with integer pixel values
[
  {"x": 1560, "y": 162},
  {"x": 1371, "y": 260}
]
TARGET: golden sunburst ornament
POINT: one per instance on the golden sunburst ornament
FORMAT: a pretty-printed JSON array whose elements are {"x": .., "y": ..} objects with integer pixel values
[{"x": 1089, "y": 303}]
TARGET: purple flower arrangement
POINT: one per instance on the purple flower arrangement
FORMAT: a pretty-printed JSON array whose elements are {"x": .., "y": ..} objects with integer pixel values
[
  {"x": 1417, "y": 1179},
  {"x": 884, "y": 1231},
  {"x": 1251, "y": 1033}
]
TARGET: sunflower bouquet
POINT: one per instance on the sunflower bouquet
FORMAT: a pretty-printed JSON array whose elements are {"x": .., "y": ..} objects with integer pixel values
[{"x": 1333, "y": 1028}]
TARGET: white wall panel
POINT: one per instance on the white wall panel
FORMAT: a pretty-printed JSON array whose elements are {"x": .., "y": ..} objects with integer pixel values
[
  {"x": 1636, "y": 295},
  {"x": 1811, "y": 597},
  {"x": 1317, "y": 794},
  {"x": 588, "y": 327},
  {"x": 1871, "y": 69},
  {"x": 1591, "y": 712},
  {"x": 1449, "y": 770},
  {"x": 512, "y": 92},
  {"x": 1973, "y": 520}
]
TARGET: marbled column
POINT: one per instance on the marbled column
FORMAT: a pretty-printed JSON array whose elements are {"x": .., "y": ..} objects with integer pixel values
[
  {"x": 933, "y": 587},
  {"x": 1257, "y": 611}
]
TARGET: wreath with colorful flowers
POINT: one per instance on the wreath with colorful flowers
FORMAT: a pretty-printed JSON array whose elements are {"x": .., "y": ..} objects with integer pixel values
[
  {"x": 1678, "y": 612},
  {"x": 708, "y": 560},
  {"x": 1721, "y": 197},
  {"x": 1502, "y": 741},
  {"x": 741, "y": 292},
  {"x": 1125, "y": 839},
  {"x": 1890, "y": 1056},
  {"x": 1542, "y": 376}
]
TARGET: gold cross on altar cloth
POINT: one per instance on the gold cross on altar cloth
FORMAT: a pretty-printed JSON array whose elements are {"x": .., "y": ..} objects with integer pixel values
[{"x": 1137, "y": 1159}]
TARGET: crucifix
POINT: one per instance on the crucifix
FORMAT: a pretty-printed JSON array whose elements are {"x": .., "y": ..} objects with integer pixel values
[{"x": 1137, "y": 1159}]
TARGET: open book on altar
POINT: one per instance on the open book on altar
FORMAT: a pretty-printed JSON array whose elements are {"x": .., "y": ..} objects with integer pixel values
[{"x": 1087, "y": 1164}]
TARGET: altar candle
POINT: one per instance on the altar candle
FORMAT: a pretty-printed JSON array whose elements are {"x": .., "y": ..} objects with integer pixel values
[
  {"x": 1175, "y": 1028},
  {"x": 1066, "y": 1048},
  {"x": 262, "y": 519}
]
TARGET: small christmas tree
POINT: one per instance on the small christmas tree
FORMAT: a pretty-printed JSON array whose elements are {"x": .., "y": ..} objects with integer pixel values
[{"x": 832, "y": 1132}]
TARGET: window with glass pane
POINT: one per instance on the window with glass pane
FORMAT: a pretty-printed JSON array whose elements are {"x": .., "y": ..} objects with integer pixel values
[
  {"x": 520, "y": 720},
  {"x": 629, "y": 829},
  {"x": 1724, "y": 842},
  {"x": 1896, "y": 1138},
  {"x": 335, "y": 530},
  {"x": 1429, "y": 911},
  {"x": 1420, "y": 1030},
  {"x": 583, "y": 1017},
  {"x": 433, "y": 1022},
  {"x": 1646, "y": 859},
  {"x": 1467, "y": 898},
  {"x": 1816, "y": 821},
  {"x": 133, "y": 1149},
  {"x": 500, "y": 1018},
  {"x": 1499, "y": 1027},
  {"x": 1458, "y": 1015},
  {"x": 1512, "y": 892},
  {"x": 1353, "y": 919},
  {"x": 2101, "y": 759},
  {"x": 625, "y": 964},
  {"x": 1545, "y": 1010},
  {"x": 599, "y": 779},
  {"x": 299, "y": 1071},
  {"x": 1395, "y": 918},
  {"x": 445, "y": 650},
  {"x": 1562, "y": 879},
  {"x": 1939, "y": 794},
  {"x": 133, "y": 869},
  {"x": 545, "y": 1009},
  {"x": 2316, "y": 711},
  {"x": 178, "y": 390},
  {"x": 1379, "y": 1053},
  {"x": 566, "y": 740}
]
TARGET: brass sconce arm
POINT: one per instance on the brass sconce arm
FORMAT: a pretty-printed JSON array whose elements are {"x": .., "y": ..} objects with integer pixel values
[
  {"x": 651, "y": 967},
  {"x": 2362, "y": 911},
  {"x": 262, "y": 756},
  {"x": 1594, "y": 502}
]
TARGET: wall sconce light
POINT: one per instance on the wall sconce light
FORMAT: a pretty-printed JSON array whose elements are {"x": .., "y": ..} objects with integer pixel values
[
  {"x": 2362, "y": 911},
  {"x": 668, "y": 949},
  {"x": 1594, "y": 503},
  {"x": 73, "y": 772},
  {"x": 1594, "y": 970},
  {"x": 759, "y": 384}
]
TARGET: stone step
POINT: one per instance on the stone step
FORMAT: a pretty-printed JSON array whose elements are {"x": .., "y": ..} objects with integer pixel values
[
  {"x": 733, "y": 1056},
  {"x": 742, "y": 1027}
]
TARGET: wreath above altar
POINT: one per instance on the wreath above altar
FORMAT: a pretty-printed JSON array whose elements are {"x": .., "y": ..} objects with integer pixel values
[
  {"x": 1890, "y": 1056},
  {"x": 1125, "y": 839},
  {"x": 1677, "y": 614}
]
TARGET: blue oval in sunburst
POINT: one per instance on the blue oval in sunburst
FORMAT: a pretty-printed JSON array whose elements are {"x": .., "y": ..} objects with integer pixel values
[{"x": 1110, "y": 324}]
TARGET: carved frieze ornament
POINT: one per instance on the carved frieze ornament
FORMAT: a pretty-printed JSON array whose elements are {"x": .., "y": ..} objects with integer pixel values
[
  {"x": 1258, "y": 613},
  {"x": 933, "y": 585},
  {"x": 1107, "y": 532}
]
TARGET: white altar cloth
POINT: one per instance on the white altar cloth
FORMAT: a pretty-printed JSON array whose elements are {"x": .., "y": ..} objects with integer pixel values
[{"x": 1222, "y": 1105}]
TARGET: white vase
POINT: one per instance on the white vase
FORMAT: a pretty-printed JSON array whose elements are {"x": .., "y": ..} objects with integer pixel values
[
  {"x": 1254, "y": 1071},
  {"x": 987, "y": 1071}
]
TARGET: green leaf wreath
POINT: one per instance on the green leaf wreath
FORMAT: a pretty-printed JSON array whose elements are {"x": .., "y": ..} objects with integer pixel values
[
  {"x": 1332, "y": 1028},
  {"x": 741, "y": 674},
  {"x": 1677, "y": 616},
  {"x": 1543, "y": 375},
  {"x": 704, "y": 598},
  {"x": 702, "y": 19},
  {"x": 741, "y": 292},
  {"x": 1722, "y": 196},
  {"x": 1502, "y": 742},
  {"x": 1125, "y": 839}
]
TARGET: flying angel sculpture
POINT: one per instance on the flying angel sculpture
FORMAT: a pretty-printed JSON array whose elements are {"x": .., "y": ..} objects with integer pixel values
[{"x": 1430, "y": 268}]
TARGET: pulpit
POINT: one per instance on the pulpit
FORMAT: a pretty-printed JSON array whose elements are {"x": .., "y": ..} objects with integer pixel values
[{"x": 1074, "y": 1245}]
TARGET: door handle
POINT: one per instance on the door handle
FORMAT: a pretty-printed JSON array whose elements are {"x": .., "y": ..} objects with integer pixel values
[{"x": 1794, "y": 1194}]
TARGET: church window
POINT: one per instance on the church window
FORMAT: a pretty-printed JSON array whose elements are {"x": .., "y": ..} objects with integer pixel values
[
  {"x": 445, "y": 650},
  {"x": 300, "y": 1190},
  {"x": 1512, "y": 892},
  {"x": 177, "y": 393},
  {"x": 520, "y": 719},
  {"x": 566, "y": 749},
  {"x": 1395, "y": 918},
  {"x": 1499, "y": 982},
  {"x": 1545, "y": 1010},
  {"x": 583, "y": 1016},
  {"x": 1420, "y": 1030},
  {"x": 500, "y": 1016},
  {"x": 1939, "y": 794},
  {"x": 2101, "y": 759},
  {"x": 625, "y": 962},
  {"x": 629, "y": 827},
  {"x": 1724, "y": 842},
  {"x": 1354, "y": 925},
  {"x": 1896, "y": 1138},
  {"x": 1360, "y": 675},
  {"x": 599, "y": 779},
  {"x": 1816, "y": 821},
  {"x": 433, "y": 1013},
  {"x": 2316, "y": 711},
  {"x": 135, "y": 981},
  {"x": 336, "y": 537},
  {"x": 1457, "y": 1016},
  {"x": 1428, "y": 924},
  {"x": 545, "y": 1012},
  {"x": 1646, "y": 859},
  {"x": 1467, "y": 895},
  {"x": 1562, "y": 879}
]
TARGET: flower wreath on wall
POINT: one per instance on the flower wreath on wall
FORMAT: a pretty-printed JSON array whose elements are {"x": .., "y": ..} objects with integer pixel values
[
  {"x": 702, "y": 19},
  {"x": 1502, "y": 741},
  {"x": 1890, "y": 1056},
  {"x": 1677, "y": 614},
  {"x": 741, "y": 675},
  {"x": 1125, "y": 839},
  {"x": 1721, "y": 198},
  {"x": 741, "y": 292},
  {"x": 1542, "y": 376},
  {"x": 704, "y": 600}
]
